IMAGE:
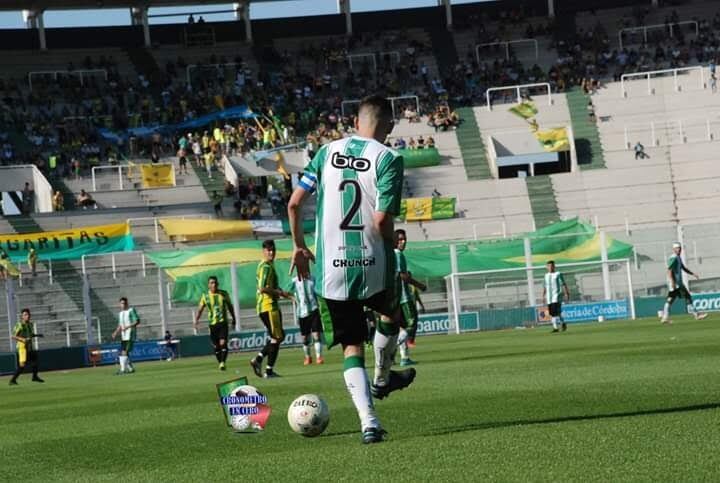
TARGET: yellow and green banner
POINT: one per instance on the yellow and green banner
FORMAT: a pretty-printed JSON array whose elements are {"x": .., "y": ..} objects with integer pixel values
[
  {"x": 525, "y": 110},
  {"x": 422, "y": 209},
  {"x": 200, "y": 229},
  {"x": 157, "y": 175},
  {"x": 565, "y": 242},
  {"x": 553, "y": 140},
  {"x": 419, "y": 158},
  {"x": 69, "y": 244}
]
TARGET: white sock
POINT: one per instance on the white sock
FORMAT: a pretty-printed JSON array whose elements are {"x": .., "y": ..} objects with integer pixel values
[
  {"x": 318, "y": 348},
  {"x": 306, "y": 350},
  {"x": 356, "y": 381},
  {"x": 123, "y": 363},
  {"x": 384, "y": 347},
  {"x": 402, "y": 337},
  {"x": 554, "y": 322},
  {"x": 666, "y": 311},
  {"x": 404, "y": 353}
]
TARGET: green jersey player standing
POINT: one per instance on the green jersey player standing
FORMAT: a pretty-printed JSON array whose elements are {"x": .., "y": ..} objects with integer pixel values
[
  {"x": 358, "y": 182},
  {"x": 128, "y": 320},
  {"x": 408, "y": 308},
  {"x": 676, "y": 285}
]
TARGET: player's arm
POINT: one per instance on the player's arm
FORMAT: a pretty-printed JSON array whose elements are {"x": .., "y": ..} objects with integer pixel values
[
  {"x": 230, "y": 307},
  {"x": 198, "y": 314},
  {"x": 116, "y": 331},
  {"x": 307, "y": 185},
  {"x": 134, "y": 319},
  {"x": 389, "y": 194},
  {"x": 18, "y": 338},
  {"x": 687, "y": 270}
]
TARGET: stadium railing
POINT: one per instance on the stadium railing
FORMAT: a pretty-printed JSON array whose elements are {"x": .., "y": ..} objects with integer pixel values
[
  {"x": 518, "y": 88},
  {"x": 651, "y": 73},
  {"x": 645, "y": 28}
]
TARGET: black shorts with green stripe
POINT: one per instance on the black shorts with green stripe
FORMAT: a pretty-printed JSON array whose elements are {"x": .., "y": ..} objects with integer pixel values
[
  {"x": 344, "y": 321},
  {"x": 126, "y": 346}
]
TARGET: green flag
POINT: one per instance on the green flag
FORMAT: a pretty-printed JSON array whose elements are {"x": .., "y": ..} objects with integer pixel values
[{"x": 526, "y": 110}]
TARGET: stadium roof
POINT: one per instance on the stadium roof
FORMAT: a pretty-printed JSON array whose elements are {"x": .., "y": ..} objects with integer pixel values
[{"x": 95, "y": 4}]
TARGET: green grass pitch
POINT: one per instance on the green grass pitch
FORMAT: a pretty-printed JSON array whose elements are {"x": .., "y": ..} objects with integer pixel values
[{"x": 626, "y": 401}]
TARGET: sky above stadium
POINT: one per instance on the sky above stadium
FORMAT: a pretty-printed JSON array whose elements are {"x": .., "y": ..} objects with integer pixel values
[{"x": 75, "y": 18}]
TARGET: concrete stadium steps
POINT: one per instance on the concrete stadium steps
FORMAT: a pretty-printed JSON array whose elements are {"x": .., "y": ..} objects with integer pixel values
[
  {"x": 472, "y": 146},
  {"x": 542, "y": 200},
  {"x": 587, "y": 139}
]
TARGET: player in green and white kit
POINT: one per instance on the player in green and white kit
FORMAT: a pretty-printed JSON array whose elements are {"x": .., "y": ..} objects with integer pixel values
[
  {"x": 128, "y": 321},
  {"x": 358, "y": 182},
  {"x": 676, "y": 285},
  {"x": 408, "y": 307},
  {"x": 306, "y": 308},
  {"x": 553, "y": 288}
]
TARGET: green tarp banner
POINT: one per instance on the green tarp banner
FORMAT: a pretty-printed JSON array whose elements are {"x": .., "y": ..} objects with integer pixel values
[
  {"x": 419, "y": 158},
  {"x": 565, "y": 242}
]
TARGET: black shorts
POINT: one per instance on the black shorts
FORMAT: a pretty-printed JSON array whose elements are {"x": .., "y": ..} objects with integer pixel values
[
  {"x": 311, "y": 323},
  {"x": 555, "y": 309},
  {"x": 217, "y": 332},
  {"x": 344, "y": 321},
  {"x": 126, "y": 346},
  {"x": 679, "y": 292},
  {"x": 183, "y": 161}
]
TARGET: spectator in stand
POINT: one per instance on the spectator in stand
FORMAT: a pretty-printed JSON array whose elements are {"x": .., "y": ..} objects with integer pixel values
[
  {"x": 85, "y": 200},
  {"x": 58, "y": 201},
  {"x": 32, "y": 261},
  {"x": 399, "y": 143},
  {"x": 28, "y": 198},
  {"x": 209, "y": 158},
  {"x": 217, "y": 199},
  {"x": 429, "y": 141},
  {"x": 411, "y": 115},
  {"x": 412, "y": 144},
  {"x": 182, "y": 160},
  {"x": 170, "y": 347},
  {"x": 640, "y": 151},
  {"x": 591, "y": 112},
  {"x": 420, "y": 142}
]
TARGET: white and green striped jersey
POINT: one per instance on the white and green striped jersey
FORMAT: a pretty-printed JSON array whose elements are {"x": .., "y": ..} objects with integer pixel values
[
  {"x": 125, "y": 318},
  {"x": 354, "y": 177},
  {"x": 675, "y": 265},
  {"x": 305, "y": 301},
  {"x": 402, "y": 287},
  {"x": 553, "y": 287}
]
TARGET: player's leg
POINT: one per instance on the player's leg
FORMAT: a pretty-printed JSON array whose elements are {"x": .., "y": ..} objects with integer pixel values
[
  {"x": 316, "y": 330},
  {"x": 385, "y": 345},
  {"x": 672, "y": 295},
  {"x": 563, "y": 325},
  {"x": 552, "y": 309},
  {"x": 343, "y": 322},
  {"x": 21, "y": 360},
  {"x": 685, "y": 293},
  {"x": 304, "y": 323},
  {"x": 256, "y": 362},
  {"x": 223, "y": 331},
  {"x": 276, "y": 337},
  {"x": 409, "y": 317},
  {"x": 215, "y": 341},
  {"x": 33, "y": 359},
  {"x": 128, "y": 361}
]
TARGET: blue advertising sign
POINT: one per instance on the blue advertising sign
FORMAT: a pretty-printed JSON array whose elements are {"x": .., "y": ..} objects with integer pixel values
[
  {"x": 108, "y": 353},
  {"x": 609, "y": 310}
]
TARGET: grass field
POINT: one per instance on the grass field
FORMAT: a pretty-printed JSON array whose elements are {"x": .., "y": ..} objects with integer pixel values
[{"x": 623, "y": 401}]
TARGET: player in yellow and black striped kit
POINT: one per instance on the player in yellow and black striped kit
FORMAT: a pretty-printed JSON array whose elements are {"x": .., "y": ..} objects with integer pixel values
[
  {"x": 23, "y": 334},
  {"x": 219, "y": 306}
]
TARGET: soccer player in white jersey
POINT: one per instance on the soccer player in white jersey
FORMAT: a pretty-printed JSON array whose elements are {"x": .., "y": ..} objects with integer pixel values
[
  {"x": 676, "y": 285},
  {"x": 306, "y": 308},
  {"x": 358, "y": 182},
  {"x": 553, "y": 290},
  {"x": 128, "y": 320}
]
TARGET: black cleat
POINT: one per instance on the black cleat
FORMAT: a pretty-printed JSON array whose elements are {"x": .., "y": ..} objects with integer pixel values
[
  {"x": 13, "y": 382},
  {"x": 398, "y": 380},
  {"x": 256, "y": 367},
  {"x": 564, "y": 326},
  {"x": 373, "y": 435},
  {"x": 554, "y": 331},
  {"x": 37, "y": 379},
  {"x": 271, "y": 375}
]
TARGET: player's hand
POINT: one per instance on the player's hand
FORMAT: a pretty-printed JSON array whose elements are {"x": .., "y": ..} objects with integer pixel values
[
  {"x": 697, "y": 276},
  {"x": 300, "y": 261}
]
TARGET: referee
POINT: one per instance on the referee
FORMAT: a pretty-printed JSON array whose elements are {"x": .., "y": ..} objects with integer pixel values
[
  {"x": 23, "y": 334},
  {"x": 218, "y": 304}
]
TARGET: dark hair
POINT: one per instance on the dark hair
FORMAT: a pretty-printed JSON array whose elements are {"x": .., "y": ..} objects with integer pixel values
[
  {"x": 268, "y": 244},
  {"x": 24, "y": 311},
  {"x": 212, "y": 277},
  {"x": 124, "y": 299},
  {"x": 379, "y": 106},
  {"x": 399, "y": 232},
  {"x": 550, "y": 262}
]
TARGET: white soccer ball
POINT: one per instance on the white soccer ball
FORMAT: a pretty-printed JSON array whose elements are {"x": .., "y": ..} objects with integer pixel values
[{"x": 309, "y": 415}]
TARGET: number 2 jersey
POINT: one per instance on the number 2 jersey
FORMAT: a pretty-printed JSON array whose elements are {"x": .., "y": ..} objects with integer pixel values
[{"x": 353, "y": 177}]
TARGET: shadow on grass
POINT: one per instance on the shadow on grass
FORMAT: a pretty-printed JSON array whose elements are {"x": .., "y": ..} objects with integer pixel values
[{"x": 589, "y": 417}]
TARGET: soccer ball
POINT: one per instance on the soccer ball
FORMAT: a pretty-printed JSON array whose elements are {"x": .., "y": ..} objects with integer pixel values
[{"x": 309, "y": 415}]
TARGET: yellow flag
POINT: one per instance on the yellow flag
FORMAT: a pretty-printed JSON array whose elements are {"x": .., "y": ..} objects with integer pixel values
[
  {"x": 418, "y": 209},
  {"x": 280, "y": 160},
  {"x": 10, "y": 269},
  {"x": 554, "y": 140},
  {"x": 157, "y": 175}
]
